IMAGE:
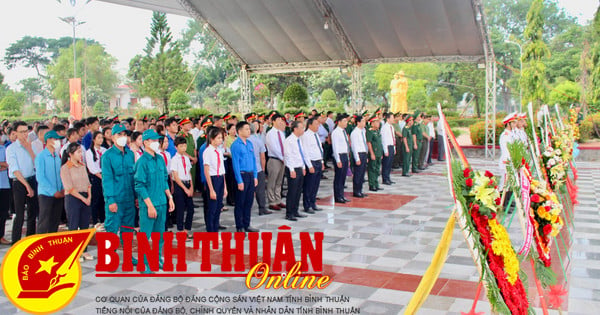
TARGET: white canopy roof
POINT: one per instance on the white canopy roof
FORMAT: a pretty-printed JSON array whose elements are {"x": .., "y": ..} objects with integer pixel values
[{"x": 293, "y": 35}]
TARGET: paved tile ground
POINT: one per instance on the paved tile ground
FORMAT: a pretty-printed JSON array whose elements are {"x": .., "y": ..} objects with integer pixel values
[{"x": 376, "y": 248}]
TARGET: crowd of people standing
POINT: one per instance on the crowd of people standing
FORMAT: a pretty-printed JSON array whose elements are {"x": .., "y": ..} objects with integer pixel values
[{"x": 142, "y": 174}]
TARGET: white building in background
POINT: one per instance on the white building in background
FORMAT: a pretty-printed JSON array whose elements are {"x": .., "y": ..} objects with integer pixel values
[{"x": 123, "y": 97}]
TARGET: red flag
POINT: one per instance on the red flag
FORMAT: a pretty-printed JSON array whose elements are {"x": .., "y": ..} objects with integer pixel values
[{"x": 75, "y": 97}]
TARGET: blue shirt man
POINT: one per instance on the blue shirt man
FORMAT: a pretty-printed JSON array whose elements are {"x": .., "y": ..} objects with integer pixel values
[
  {"x": 246, "y": 176},
  {"x": 19, "y": 157},
  {"x": 50, "y": 188}
]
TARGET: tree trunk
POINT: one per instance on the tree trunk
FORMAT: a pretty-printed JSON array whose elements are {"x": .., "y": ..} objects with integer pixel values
[{"x": 477, "y": 109}]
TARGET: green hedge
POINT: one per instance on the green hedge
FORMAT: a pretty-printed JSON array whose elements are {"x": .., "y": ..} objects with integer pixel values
[
  {"x": 590, "y": 127},
  {"x": 462, "y": 122},
  {"x": 478, "y": 132}
]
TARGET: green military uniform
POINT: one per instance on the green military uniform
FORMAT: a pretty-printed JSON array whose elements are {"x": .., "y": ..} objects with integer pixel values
[
  {"x": 151, "y": 181},
  {"x": 117, "y": 185},
  {"x": 191, "y": 147},
  {"x": 406, "y": 156},
  {"x": 350, "y": 127},
  {"x": 418, "y": 132},
  {"x": 374, "y": 166}
]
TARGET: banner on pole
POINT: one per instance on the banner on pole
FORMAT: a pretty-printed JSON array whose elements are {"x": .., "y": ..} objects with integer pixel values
[{"x": 75, "y": 98}]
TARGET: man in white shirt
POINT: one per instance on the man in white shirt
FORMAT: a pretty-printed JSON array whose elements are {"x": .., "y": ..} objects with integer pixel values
[
  {"x": 425, "y": 157},
  {"x": 329, "y": 125},
  {"x": 197, "y": 130},
  {"x": 260, "y": 159},
  {"x": 388, "y": 141},
  {"x": 275, "y": 166},
  {"x": 313, "y": 149},
  {"x": 340, "y": 144},
  {"x": 37, "y": 145},
  {"x": 295, "y": 162},
  {"x": 358, "y": 141},
  {"x": 440, "y": 138}
]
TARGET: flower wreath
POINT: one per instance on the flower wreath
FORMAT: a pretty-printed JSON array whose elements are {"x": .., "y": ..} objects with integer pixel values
[{"x": 480, "y": 194}]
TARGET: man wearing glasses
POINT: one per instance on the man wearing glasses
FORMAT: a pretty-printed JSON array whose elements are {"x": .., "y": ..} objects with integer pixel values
[{"x": 21, "y": 172}]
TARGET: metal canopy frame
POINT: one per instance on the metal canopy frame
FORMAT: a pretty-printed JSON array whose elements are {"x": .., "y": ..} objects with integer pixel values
[{"x": 352, "y": 59}]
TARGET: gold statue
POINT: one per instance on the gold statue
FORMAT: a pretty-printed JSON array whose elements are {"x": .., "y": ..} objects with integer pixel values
[{"x": 399, "y": 89}]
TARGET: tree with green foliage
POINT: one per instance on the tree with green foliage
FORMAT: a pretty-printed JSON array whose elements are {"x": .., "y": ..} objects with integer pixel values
[
  {"x": 161, "y": 70},
  {"x": 461, "y": 78},
  {"x": 595, "y": 93},
  {"x": 33, "y": 87},
  {"x": 227, "y": 97},
  {"x": 179, "y": 101},
  {"x": 100, "y": 108},
  {"x": 328, "y": 101},
  {"x": 295, "y": 97},
  {"x": 214, "y": 63},
  {"x": 94, "y": 67},
  {"x": 11, "y": 104},
  {"x": 442, "y": 96},
  {"x": 565, "y": 94},
  {"x": 533, "y": 78},
  {"x": 37, "y": 52}
]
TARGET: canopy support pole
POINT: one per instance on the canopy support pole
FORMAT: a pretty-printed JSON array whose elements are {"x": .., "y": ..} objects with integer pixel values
[
  {"x": 245, "y": 101},
  {"x": 356, "y": 87}
]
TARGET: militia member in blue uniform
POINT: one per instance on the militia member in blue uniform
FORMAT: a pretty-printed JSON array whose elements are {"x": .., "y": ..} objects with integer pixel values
[
  {"x": 152, "y": 189},
  {"x": 117, "y": 183}
]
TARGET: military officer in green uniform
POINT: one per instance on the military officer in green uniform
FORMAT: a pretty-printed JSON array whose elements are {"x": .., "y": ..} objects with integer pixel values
[
  {"x": 186, "y": 127},
  {"x": 375, "y": 153},
  {"x": 417, "y": 135},
  {"x": 407, "y": 146},
  {"x": 152, "y": 189},
  {"x": 117, "y": 183}
]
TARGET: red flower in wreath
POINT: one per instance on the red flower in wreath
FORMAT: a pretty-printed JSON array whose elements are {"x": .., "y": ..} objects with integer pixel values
[
  {"x": 469, "y": 182},
  {"x": 547, "y": 229},
  {"x": 548, "y": 208},
  {"x": 535, "y": 198},
  {"x": 489, "y": 174},
  {"x": 466, "y": 172},
  {"x": 498, "y": 201},
  {"x": 475, "y": 207}
]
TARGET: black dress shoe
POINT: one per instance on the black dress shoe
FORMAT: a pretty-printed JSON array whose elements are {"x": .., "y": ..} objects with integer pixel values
[
  {"x": 298, "y": 215},
  {"x": 340, "y": 201},
  {"x": 251, "y": 229},
  {"x": 406, "y": 175},
  {"x": 421, "y": 168},
  {"x": 387, "y": 183},
  {"x": 416, "y": 172},
  {"x": 347, "y": 200},
  {"x": 317, "y": 208},
  {"x": 372, "y": 189},
  {"x": 240, "y": 230},
  {"x": 309, "y": 211},
  {"x": 358, "y": 195},
  {"x": 379, "y": 188},
  {"x": 264, "y": 212},
  {"x": 291, "y": 219},
  {"x": 222, "y": 227}
]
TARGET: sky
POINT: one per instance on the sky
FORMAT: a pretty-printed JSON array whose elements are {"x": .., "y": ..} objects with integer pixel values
[{"x": 120, "y": 29}]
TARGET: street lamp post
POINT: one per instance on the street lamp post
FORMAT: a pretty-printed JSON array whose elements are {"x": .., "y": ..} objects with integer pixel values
[
  {"x": 71, "y": 20},
  {"x": 520, "y": 72}
]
